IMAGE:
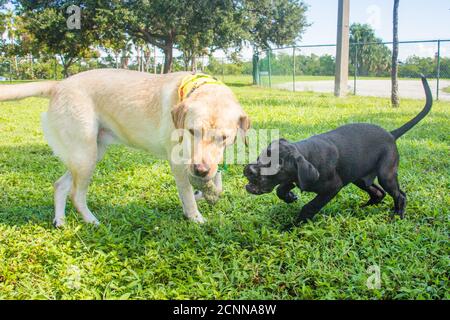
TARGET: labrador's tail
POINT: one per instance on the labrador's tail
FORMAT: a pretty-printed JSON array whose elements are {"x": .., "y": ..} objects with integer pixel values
[
  {"x": 397, "y": 133},
  {"x": 21, "y": 91}
]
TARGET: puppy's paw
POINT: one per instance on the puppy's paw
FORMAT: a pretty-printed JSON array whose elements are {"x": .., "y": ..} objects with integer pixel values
[
  {"x": 289, "y": 197},
  {"x": 198, "y": 195},
  {"x": 301, "y": 219}
]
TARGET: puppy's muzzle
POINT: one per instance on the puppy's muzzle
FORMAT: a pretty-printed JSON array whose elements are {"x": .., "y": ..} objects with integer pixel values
[{"x": 253, "y": 189}]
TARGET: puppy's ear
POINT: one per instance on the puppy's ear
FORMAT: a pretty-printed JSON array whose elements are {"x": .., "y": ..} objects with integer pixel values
[
  {"x": 244, "y": 125},
  {"x": 307, "y": 174},
  {"x": 178, "y": 117}
]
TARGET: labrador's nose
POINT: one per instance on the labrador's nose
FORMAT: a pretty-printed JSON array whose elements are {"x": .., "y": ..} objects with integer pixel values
[{"x": 201, "y": 170}]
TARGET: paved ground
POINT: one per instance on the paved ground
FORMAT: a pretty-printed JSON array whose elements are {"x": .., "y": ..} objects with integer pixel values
[{"x": 375, "y": 88}]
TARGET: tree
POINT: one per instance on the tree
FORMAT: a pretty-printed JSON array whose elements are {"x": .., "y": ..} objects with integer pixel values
[
  {"x": 394, "y": 71},
  {"x": 46, "y": 22},
  {"x": 274, "y": 22},
  {"x": 367, "y": 52},
  {"x": 191, "y": 26},
  {"x": 194, "y": 26}
]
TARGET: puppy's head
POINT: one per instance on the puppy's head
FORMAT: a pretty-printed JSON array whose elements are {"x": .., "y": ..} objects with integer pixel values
[{"x": 280, "y": 163}]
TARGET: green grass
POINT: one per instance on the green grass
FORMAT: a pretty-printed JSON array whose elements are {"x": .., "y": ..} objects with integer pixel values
[
  {"x": 145, "y": 249},
  {"x": 446, "y": 90}
]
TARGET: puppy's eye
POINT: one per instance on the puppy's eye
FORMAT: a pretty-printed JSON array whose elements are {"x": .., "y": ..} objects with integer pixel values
[
  {"x": 224, "y": 138},
  {"x": 191, "y": 131}
]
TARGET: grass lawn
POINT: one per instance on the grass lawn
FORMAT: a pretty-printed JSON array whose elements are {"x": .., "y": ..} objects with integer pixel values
[
  {"x": 447, "y": 89},
  {"x": 145, "y": 249}
]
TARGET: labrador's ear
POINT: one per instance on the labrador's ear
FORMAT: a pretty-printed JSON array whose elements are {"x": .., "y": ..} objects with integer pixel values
[
  {"x": 307, "y": 174},
  {"x": 178, "y": 117},
  {"x": 244, "y": 125}
]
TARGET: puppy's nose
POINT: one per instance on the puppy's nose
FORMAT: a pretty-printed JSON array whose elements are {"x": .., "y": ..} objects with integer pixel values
[{"x": 201, "y": 170}]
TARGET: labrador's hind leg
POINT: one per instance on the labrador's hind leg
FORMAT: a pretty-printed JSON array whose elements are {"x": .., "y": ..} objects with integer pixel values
[
  {"x": 62, "y": 188},
  {"x": 81, "y": 179},
  {"x": 74, "y": 140}
]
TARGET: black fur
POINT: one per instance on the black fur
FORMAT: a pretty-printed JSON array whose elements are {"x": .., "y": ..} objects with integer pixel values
[{"x": 324, "y": 164}]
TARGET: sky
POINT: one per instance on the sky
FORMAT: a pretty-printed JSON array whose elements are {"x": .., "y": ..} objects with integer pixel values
[{"x": 418, "y": 20}]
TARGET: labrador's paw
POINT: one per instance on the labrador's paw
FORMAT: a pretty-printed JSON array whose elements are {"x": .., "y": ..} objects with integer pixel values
[
  {"x": 197, "y": 218},
  {"x": 91, "y": 219},
  {"x": 58, "y": 222}
]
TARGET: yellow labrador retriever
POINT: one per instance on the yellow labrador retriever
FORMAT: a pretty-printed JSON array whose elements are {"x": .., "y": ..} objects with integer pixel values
[{"x": 91, "y": 110}]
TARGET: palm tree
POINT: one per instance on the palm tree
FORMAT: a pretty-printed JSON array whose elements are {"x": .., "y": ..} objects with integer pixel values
[{"x": 394, "y": 71}]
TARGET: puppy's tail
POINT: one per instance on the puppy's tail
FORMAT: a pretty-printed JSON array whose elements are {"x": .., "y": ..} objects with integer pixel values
[
  {"x": 397, "y": 133},
  {"x": 21, "y": 91}
]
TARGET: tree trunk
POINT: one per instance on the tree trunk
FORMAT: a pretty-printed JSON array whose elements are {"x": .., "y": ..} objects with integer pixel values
[
  {"x": 138, "y": 58},
  {"x": 65, "y": 70},
  {"x": 66, "y": 63},
  {"x": 394, "y": 72},
  {"x": 155, "y": 66},
  {"x": 255, "y": 62},
  {"x": 194, "y": 63},
  {"x": 168, "y": 57},
  {"x": 116, "y": 57}
]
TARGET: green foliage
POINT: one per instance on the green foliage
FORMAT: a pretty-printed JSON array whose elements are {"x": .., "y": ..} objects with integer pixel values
[
  {"x": 283, "y": 64},
  {"x": 144, "y": 248},
  {"x": 221, "y": 67},
  {"x": 416, "y": 65},
  {"x": 372, "y": 58},
  {"x": 275, "y": 22},
  {"x": 46, "y": 24}
]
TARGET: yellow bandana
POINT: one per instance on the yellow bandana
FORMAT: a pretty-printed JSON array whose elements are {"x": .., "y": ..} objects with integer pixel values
[{"x": 192, "y": 82}]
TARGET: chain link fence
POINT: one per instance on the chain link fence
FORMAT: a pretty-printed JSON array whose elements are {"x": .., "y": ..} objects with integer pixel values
[
  {"x": 312, "y": 68},
  {"x": 28, "y": 68}
]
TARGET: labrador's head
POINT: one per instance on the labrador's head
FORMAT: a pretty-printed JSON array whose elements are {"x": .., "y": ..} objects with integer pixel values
[
  {"x": 287, "y": 164},
  {"x": 211, "y": 119}
]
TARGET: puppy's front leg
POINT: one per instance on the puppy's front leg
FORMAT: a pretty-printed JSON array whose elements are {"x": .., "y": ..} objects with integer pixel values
[
  {"x": 284, "y": 192},
  {"x": 186, "y": 193},
  {"x": 310, "y": 209}
]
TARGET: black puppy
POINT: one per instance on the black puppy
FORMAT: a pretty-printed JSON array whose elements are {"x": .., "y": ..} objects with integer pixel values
[{"x": 324, "y": 164}]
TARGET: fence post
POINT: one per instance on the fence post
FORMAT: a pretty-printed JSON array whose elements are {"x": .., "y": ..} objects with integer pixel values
[
  {"x": 438, "y": 71},
  {"x": 270, "y": 67},
  {"x": 356, "y": 69},
  {"x": 293, "y": 71}
]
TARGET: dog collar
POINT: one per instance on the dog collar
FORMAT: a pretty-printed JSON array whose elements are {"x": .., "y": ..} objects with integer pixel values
[{"x": 193, "y": 81}]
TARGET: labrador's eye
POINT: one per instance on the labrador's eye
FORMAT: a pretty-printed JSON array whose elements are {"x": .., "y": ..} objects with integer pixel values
[
  {"x": 191, "y": 131},
  {"x": 224, "y": 138}
]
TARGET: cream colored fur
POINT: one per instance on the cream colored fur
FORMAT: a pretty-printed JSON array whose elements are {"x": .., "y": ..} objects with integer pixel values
[{"x": 93, "y": 109}]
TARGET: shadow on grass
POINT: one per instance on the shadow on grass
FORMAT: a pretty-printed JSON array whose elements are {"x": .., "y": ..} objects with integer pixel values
[{"x": 238, "y": 84}]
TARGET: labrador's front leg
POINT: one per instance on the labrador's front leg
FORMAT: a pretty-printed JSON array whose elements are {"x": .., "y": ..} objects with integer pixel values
[{"x": 186, "y": 193}]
